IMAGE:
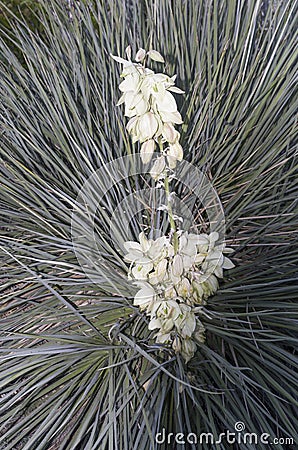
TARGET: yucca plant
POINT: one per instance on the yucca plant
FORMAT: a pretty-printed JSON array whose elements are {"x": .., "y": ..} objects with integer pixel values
[{"x": 79, "y": 367}]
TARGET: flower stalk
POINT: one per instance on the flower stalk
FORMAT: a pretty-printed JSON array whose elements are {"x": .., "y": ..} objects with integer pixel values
[{"x": 170, "y": 214}]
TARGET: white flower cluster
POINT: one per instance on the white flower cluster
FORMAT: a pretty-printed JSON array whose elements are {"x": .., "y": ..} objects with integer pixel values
[
  {"x": 152, "y": 109},
  {"x": 174, "y": 286}
]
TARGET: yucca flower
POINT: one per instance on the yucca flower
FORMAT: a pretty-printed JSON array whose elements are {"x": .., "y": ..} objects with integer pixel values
[
  {"x": 150, "y": 105},
  {"x": 174, "y": 284}
]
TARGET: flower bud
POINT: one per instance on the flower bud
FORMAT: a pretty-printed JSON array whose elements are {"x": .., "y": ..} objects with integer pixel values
[
  {"x": 141, "y": 53},
  {"x": 176, "y": 151},
  {"x": 177, "y": 266},
  {"x": 147, "y": 150},
  {"x": 158, "y": 167},
  {"x": 156, "y": 56}
]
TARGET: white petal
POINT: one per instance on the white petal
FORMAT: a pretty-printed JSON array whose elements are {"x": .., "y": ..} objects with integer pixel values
[
  {"x": 184, "y": 287},
  {"x": 177, "y": 345},
  {"x": 200, "y": 239},
  {"x": 218, "y": 272},
  {"x": 160, "y": 78},
  {"x": 162, "y": 267},
  {"x": 169, "y": 132},
  {"x": 170, "y": 293},
  {"x": 118, "y": 59},
  {"x": 212, "y": 283},
  {"x": 130, "y": 83},
  {"x": 162, "y": 338},
  {"x": 176, "y": 90},
  {"x": 182, "y": 241},
  {"x": 189, "y": 249},
  {"x": 141, "y": 107},
  {"x": 132, "y": 245},
  {"x": 141, "y": 271},
  {"x": 198, "y": 289},
  {"x": 131, "y": 124},
  {"x": 135, "y": 99},
  {"x": 138, "y": 258},
  {"x": 172, "y": 161},
  {"x": 154, "y": 323},
  {"x": 129, "y": 110},
  {"x": 189, "y": 326},
  {"x": 144, "y": 296},
  {"x": 121, "y": 100},
  {"x": 214, "y": 236},
  {"x": 188, "y": 261},
  {"x": 153, "y": 279},
  {"x": 129, "y": 68},
  {"x": 174, "y": 117},
  {"x": 157, "y": 248},
  {"x": 188, "y": 349},
  {"x": 148, "y": 126},
  {"x": 166, "y": 102},
  {"x": 227, "y": 264},
  {"x": 171, "y": 309},
  {"x": 200, "y": 258},
  {"x": 167, "y": 325}
]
